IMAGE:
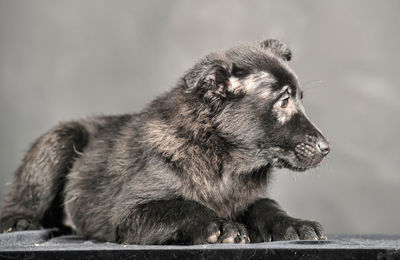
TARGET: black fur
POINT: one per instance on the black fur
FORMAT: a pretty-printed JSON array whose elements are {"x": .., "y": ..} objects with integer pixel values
[{"x": 192, "y": 167}]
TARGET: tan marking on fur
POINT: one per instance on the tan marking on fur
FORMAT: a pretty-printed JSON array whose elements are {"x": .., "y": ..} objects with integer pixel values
[
  {"x": 284, "y": 114},
  {"x": 252, "y": 84},
  {"x": 235, "y": 85}
]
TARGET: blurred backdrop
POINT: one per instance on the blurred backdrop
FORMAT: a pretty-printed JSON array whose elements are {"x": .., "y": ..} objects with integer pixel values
[{"x": 61, "y": 60}]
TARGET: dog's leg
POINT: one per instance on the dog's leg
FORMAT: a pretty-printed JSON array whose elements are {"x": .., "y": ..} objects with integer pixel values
[
  {"x": 178, "y": 221},
  {"x": 266, "y": 222},
  {"x": 38, "y": 182}
]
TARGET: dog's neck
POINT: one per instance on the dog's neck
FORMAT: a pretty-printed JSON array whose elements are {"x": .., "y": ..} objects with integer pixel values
[{"x": 190, "y": 129}]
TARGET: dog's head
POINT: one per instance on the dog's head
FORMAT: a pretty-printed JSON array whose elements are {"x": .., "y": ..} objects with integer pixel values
[{"x": 257, "y": 102}]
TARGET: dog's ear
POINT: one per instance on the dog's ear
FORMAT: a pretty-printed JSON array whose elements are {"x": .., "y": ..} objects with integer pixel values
[
  {"x": 278, "y": 48},
  {"x": 215, "y": 80}
]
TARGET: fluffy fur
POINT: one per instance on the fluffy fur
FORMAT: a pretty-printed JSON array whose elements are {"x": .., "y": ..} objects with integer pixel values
[{"x": 192, "y": 167}]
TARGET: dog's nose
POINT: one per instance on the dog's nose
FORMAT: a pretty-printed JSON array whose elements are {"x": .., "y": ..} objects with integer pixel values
[{"x": 323, "y": 147}]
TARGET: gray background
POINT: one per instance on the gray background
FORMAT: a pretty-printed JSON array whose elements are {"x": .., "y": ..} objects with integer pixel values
[{"x": 61, "y": 60}]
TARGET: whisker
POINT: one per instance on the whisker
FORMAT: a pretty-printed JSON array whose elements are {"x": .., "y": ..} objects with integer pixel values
[
  {"x": 314, "y": 84},
  {"x": 313, "y": 81}
]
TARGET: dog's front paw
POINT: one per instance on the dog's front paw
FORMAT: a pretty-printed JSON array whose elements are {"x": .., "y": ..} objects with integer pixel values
[
  {"x": 221, "y": 232},
  {"x": 17, "y": 224},
  {"x": 288, "y": 228}
]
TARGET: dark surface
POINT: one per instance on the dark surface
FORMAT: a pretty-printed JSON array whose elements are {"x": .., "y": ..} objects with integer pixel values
[{"x": 48, "y": 244}]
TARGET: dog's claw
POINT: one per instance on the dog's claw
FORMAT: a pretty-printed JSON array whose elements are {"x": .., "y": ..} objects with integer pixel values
[
  {"x": 214, "y": 238},
  {"x": 245, "y": 240},
  {"x": 229, "y": 240}
]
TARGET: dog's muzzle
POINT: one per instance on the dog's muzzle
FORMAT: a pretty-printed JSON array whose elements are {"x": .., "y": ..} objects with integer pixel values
[{"x": 312, "y": 152}]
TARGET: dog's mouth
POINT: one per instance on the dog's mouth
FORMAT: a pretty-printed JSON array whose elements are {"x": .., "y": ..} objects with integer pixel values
[
  {"x": 295, "y": 161},
  {"x": 282, "y": 163}
]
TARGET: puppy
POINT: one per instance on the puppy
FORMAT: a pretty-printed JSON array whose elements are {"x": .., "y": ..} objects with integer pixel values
[{"x": 192, "y": 167}]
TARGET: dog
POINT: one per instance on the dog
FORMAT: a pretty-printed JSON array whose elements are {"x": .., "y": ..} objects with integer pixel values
[{"x": 192, "y": 167}]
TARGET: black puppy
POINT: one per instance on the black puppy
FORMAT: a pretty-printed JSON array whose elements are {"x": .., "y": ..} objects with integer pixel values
[{"x": 192, "y": 167}]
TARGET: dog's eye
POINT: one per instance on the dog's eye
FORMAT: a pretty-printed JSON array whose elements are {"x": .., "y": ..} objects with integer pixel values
[{"x": 284, "y": 102}]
